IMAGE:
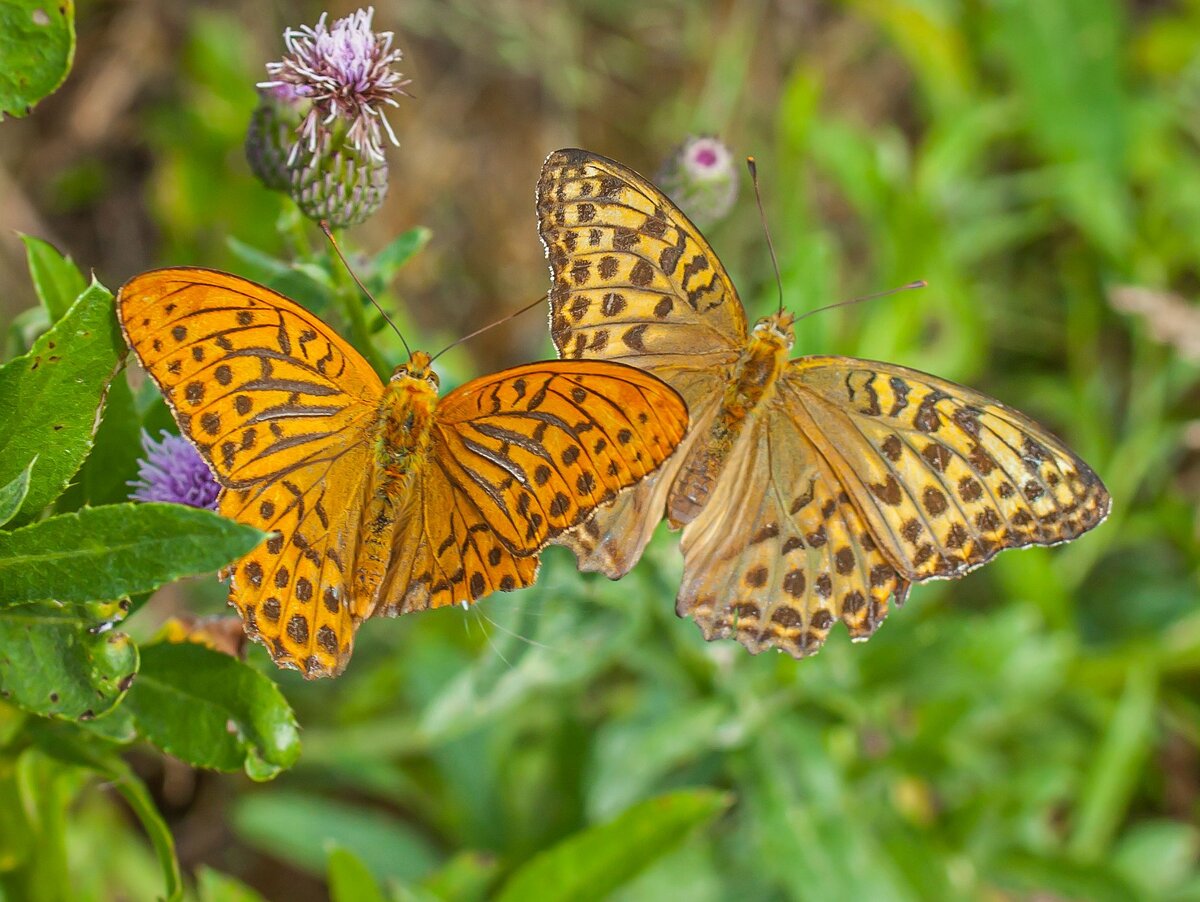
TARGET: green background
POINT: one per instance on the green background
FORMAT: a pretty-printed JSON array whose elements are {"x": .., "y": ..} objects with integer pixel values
[{"x": 1029, "y": 731}]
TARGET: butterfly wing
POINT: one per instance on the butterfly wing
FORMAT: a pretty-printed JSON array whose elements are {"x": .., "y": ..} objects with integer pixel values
[
  {"x": 518, "y": 458},
  {"x": 944, "y": 476},
  {"x": 857, "y": 479},
  {"x": 632, "y": 278},
  {"x": 281, "y": 409},
  {"x": 634, "y": 281},
  {"x": 779, "y": 552}
]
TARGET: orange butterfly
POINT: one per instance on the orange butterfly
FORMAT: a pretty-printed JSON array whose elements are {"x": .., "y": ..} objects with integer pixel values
[
  {"x": 809, "y": 490},
  {"x": 383, "y": 498}
]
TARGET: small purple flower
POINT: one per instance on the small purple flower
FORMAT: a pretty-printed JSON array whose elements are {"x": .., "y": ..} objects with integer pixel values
[
  {"x": 701, "y": 178},
  {"x": 346, "y": 73},
  {"x": 172, "y": 470},
  {"x": 706, "y": 158}
]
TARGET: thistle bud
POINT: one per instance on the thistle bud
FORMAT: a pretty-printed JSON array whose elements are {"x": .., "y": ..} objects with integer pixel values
[
  {"x": 324, "y": 105},
  {"x": 272, "y": 134},
  {"x": 342, "y": 186}
]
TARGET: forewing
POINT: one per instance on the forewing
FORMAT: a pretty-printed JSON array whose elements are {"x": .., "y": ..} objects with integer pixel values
[
  {"x": 632, "y": 278},
  {"x": 280, "y": 407},
  {"x": 779, "y": 553},
  {"x": 612, "y": 540},
  {"x": 259, "y": 384},
  {"x": 517, "y": 458},
  {"x": 946, "y": 477}
]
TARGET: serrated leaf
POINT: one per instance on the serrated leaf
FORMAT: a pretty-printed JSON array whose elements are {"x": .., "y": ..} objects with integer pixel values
[
  {"x": 56, "y": 278},
  {"x": 120, "y": 549},
  {"x": 112, "y": 463},
  {"x": 594, "y": 862},
  {"x": 50, "y": 397},
  {"x": 236, "y": 717},
  {"x": 388, "y": 847},
  {"x": 68, "y": 744},
  {"x": 53, "y": 661},
  {"x": 350, "y": 880},
  {"x": 37, "y": 44},
  {"x": 13, "y": 494}
]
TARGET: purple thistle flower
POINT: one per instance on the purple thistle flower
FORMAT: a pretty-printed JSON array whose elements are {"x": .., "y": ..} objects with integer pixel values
[
  {"x": 346, "y": 73},
  {"x": 172, "y": 470}
]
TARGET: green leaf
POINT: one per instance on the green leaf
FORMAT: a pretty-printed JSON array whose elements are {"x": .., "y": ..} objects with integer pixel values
[
  {"x": 235, "y": 716},
  {"x": 37, "y": 44},
  {"x": 464, "y": 878},
  {"x": 594, "y": 862},
  {"x": 403, "y": 248},
  {"x": 120, "y": 549},
  {"x": 69, "y": 745},
  {"x": 54, "y": 661},
  {"x": 113, "y": 462},
  {"x": 24, "y": 330},
  {"x": 13, "y": 494},
  {"x": 299, "y": 828},
  {"x": 56, "y": 278},
  {"x": 1116, "y": 765},
  {"x": 213, "y": 886},
  {"x": 350, "y": 880},
  {"x": 49, "y": 397}
]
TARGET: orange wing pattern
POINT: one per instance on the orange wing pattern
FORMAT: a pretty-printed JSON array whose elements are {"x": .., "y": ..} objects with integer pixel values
[
  {"x": 369, "y": 515},
  {"x": 633, "y": 280},
  {"x": 518, "y": 458},
  {"x": 280, "y": 407}
]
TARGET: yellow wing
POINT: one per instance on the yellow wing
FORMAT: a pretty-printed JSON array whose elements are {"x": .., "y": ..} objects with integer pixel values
[
  {"x": 857, "y": 479},
  {"x": 945, "y": 476},
  {"x": 633, "y": 280},
  {"x": 519, "y": 457},
  {"x": 779, "y": 552},
  {"x": 281, "y": 409}
]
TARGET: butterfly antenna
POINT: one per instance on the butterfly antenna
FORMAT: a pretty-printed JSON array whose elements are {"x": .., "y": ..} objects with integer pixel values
[
  {"x": 483, "y": 329},
  {"x": 514, "y": 634},
  {"x": 329, "y": 234},
  {"x": 753, "y": 167},
  {"x": 920, "y": 283},
  {"x": 494, "y": 647}
]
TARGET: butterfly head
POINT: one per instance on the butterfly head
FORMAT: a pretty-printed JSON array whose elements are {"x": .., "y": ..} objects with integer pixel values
[
  {"x": 418, "y": 369},
  {"x": 776, "y": 329}
]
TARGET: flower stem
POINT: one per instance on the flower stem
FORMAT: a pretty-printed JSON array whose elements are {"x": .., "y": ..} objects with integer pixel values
[{"x": 350, "y": 298}]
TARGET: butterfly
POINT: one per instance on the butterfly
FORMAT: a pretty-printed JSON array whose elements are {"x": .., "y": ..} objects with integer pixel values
[
  {"x": 381, "y": 499},
  {"x": 808, "y": 490}
]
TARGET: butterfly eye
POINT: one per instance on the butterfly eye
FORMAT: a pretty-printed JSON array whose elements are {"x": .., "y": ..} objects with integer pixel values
[{"x": 432, "y": 378}]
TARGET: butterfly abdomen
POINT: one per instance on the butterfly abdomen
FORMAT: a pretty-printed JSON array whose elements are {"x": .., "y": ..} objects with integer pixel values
[{"x": 752, "y": 384}]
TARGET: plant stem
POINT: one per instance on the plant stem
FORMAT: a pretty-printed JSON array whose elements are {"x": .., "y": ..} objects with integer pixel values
[{"x": 349, "y": 297}]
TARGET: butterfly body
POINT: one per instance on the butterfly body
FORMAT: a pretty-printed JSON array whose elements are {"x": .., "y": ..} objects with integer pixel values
[
  {"x": 809, "y": 490},
  {"x": 380, "y": 498},
  {"x": 750, "y": 384},
  {"x": 407, "y": 413}
]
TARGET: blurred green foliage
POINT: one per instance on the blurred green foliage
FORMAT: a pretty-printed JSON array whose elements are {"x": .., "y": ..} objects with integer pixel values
[{"x": 1030, "y": 731}]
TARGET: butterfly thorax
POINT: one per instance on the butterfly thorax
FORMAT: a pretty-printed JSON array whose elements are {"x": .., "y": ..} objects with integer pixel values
[
  {"x": 751, "y": 384},
  {"x": 405, "y": 425}
]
